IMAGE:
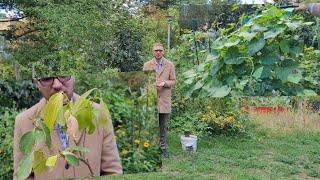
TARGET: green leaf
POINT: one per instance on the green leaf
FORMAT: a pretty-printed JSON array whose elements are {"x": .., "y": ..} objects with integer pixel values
[
  {"x": 293, "y": 25},
  {"x": 46, "y": 131},
  {"x": 273, "y": 32},
  {"x": 294, "y": 78},
  {"x": 51, "y": 161},
  {"x": 269, "y": 58},
  {"x": 233, "y": 56},
  {"x": 216, "y": 66},
  {"x": 218, "y": 44},
  {"x": 284, "y": 45},
  {"x": 60, "y": 118},
  {"x": 25, "y": 167},
  {"x": 296, "y": 50},
  {"x": 256, "y": 45},
  {"x": 198, "y": 85},
  {"x": 78, "y": 148},
  {"x": 232, "y": 42},
  {"x": 283, "y": 73},
  {"x": 213, "y": 55},
  {"x": 258, "y": 72},
  {"x": 39, "y": 163},
  {"x": 308, "y": 92},
  {"x": 52, "y": 108},
  {"x": 72, "y": 159},
  {"x": 85, "y": 115},
  {"x": 190, "y": 73},
  {"x": 258, "y": 28},
  {"x": 104, "y": 114},
  {"x": 221, "y": 92},
  {"x": 38, "y": 136},
  {"x": 26, "y": 142},
  {"x": 79, "y": 103},
  {"x": 248, "y": 35}
]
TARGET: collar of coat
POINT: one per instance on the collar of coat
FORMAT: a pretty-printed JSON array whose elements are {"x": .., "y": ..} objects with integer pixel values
[{"x": 163, "y": 66}]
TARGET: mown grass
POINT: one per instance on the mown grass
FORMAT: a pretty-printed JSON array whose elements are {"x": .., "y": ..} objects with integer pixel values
[{"x": 272, "y": 148}]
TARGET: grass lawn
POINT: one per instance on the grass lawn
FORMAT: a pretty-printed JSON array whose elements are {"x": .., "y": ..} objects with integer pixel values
[{"x": 268, "y": 150}]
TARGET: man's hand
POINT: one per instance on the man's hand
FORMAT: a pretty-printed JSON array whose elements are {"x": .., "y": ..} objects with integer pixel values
[
  {"x": 160, "y": 84},
  {"x": 300, "y": 6}
]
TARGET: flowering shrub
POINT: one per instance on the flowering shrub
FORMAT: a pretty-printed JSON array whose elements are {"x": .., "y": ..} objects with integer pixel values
[{"x": 228, "y": 123}]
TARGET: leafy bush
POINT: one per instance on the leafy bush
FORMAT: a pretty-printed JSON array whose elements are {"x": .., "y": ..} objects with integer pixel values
[{"x": 7, "y": 118}]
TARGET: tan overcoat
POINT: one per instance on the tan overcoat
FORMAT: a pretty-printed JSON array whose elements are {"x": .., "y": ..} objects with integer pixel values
[
  {"x": 103, "y": 156},
  {"x": 166, "y": 74}
]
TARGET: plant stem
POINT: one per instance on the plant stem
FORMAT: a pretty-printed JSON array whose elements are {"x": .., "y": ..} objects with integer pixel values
[{"x": 86, "y": 163}]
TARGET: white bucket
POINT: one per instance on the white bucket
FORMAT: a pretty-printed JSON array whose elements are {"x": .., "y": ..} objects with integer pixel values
[{"x": 189, "y": 143}]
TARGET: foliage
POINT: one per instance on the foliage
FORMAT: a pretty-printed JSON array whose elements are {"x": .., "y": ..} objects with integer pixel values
[
  {"x": 7, "y": 117},
  {"x": 21, "y": 94},
  {"x": 73, "y": 117},
  {"x": 263, "y": 55},
  {"x": 266, "y": 101}
]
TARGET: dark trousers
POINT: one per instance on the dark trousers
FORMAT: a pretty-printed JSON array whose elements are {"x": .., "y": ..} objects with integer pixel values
[{"x": 163, "y": 124}]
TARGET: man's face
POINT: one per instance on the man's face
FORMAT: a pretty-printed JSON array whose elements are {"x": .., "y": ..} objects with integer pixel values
[
  {"x": 158, "y": 52},
  {"x": 51, "y": 85}
]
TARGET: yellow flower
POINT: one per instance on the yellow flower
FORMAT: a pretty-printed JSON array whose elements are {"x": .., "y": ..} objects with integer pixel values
[
  {"x": 216, "y": 121},
  {"x": 220, "y": 117},
  {"x": 136, "y": 126},
  {"x": 115, "y": 137},
  {"x": 238, "y": 124},
  {"x": 209, "y": 107},
  {"x": 137, "y": 141},
  {"x": 208, "y": 121},
  {"x": 229, "y": 118},
  {"x": 125, "y": 152},
  {"x": 123, "y": 132},
  {"x": 118, "y": 131},
  {"x": 146, "y": 144},
  {"x": 213, "y": 115},
  {"x": 204, "y": 118},
  {"x": 222, "y": 124}
]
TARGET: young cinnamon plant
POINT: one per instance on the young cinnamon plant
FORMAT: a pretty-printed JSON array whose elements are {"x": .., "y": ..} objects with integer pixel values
[{"x": 73, "y": 117}]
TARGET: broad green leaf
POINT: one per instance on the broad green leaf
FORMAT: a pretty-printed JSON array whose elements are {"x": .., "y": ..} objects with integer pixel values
[
  {"x": 284, "y": 45},
  {"x": 213, "y": 55},
  {"x": 248, "y": 35},
  {"x": 38, "y": 136},
  {"x": 190, "y": 73},
  {"x": 258, "y": 28},
  {"x": 221, "y": 92},
  {"x": 51, "y": 161},
  {"x": 92, "y": 128},
  {"x": 26, "y": 142},
  {"x": 273, "y": 32},
  {"x": 188, "y": 81},
  {"x": 218, "y": 44},
  {"x": 242, "y": 84},
  {"x": 308, "y": 92},
  {"x": 308, "y": 23},
  {"x": 215, "y": 67},
  {"x": 72, "y": 160},
  {"x": 78, "y": 148},
  {"x": 256, "y": 45},
  {"x": 296, "y": 50},
  {"x": 46, "y": 131},
  {"x": 269, "y": 58},
  {"x": 25, "y": 167},
  {"x": 104, "y": 114},
  {"x": 232, "y": 42},
  {"x": 266, "y": 72},
  {"x": 52, "y": 108},
  {"x": 39, "y": 163},
  {"x": 198, "y": 85},
  {"x": 294, "y": 78},
  {"x": 283, "y": 73},
  {"x": 60, "y": 117},
  {"x": 79, "y": 103},
  {"x": 294, "y": 24},
  {"x": 233, "y": 56},
  {"x": 85, "y": 115},
  {"x": 258, "y": 72}
]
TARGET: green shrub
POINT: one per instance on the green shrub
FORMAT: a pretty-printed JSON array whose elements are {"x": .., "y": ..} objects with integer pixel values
[{"x": 7, "y": 118}]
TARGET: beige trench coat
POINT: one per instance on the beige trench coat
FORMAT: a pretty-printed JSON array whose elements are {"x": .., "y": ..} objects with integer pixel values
[
  {"x": 166, "y": 74},
  {"x": 103, "y": 156}
]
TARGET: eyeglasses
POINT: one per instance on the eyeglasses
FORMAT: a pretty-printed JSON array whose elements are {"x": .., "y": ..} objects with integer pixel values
[
  {"x": 48, "y": 81},
  {"x": 158, "y": 50}
]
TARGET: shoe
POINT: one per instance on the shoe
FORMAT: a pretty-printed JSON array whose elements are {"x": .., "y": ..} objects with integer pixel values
[{"x": 165, "y": 153}]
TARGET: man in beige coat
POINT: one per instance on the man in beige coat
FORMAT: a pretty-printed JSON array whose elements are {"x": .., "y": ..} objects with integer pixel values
[
  {"x": 165, "y": 80},
  {"x": 103, "y": 156}
]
